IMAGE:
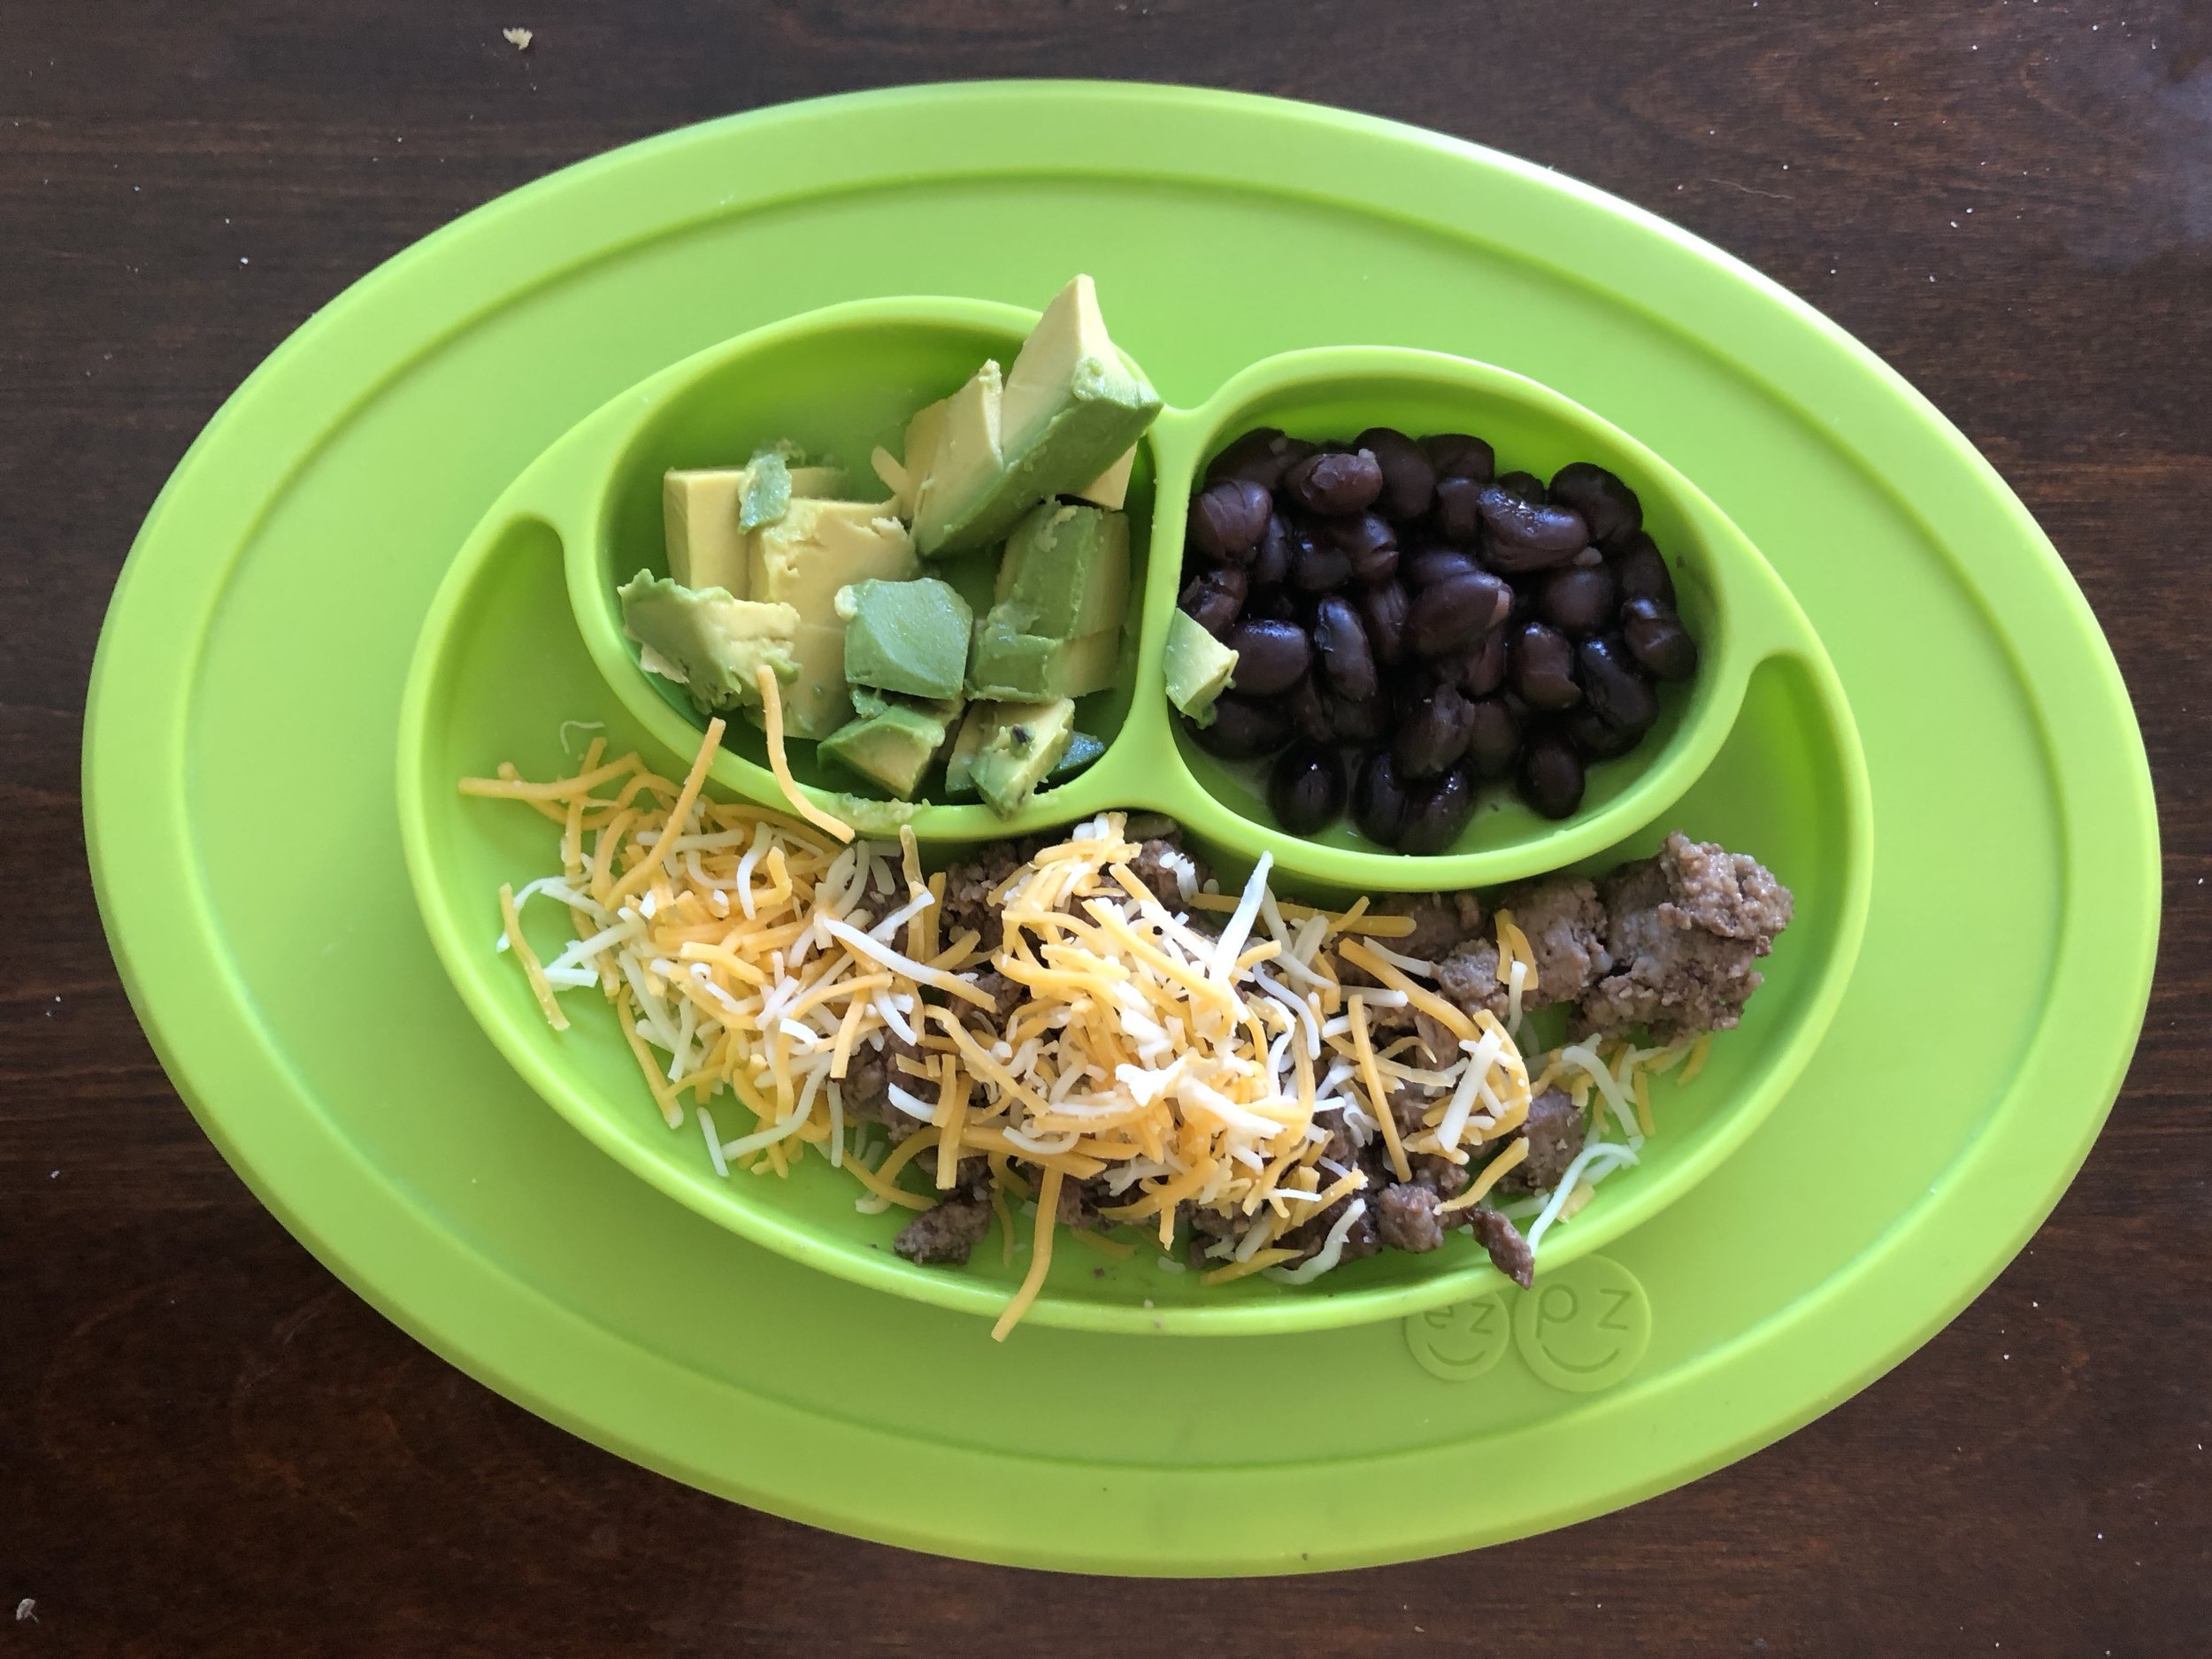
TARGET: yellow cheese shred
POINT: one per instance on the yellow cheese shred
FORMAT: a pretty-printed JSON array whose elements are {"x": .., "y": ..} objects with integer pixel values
[
  {"x": 1377, "y": 1098},
  {"x": 1251, "y": 1264},
  {"x": 771, "y": 712},
  {"x": 1039, "y": 1257},
  {"x": 531, "y": 967},
  {"x": 672, "y": 825},
  {"x": 1493, "y": 1172}
]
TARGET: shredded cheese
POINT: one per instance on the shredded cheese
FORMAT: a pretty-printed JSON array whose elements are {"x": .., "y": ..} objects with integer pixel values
[{"x": 771, "y": 712}]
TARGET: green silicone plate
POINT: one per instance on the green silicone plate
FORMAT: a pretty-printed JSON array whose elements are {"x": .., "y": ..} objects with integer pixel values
[
  {"x": 1766, "y": 706},
  {"x": 246, "y": 841}
]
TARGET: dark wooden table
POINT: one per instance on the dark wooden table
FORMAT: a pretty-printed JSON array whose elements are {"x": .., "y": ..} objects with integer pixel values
[{"x": 206, "y": 1445}]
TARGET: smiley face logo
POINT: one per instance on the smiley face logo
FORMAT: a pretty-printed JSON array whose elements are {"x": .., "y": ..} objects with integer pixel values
[
  {"x": 1459, "y": 1343},
  {"x": 1584, "y": 1327}
]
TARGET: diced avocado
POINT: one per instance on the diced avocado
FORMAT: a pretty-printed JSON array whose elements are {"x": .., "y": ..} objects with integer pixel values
[
  {"x": 700, "y": 508},
  {"x": 964, "y": 460},
  {"x": 706, "y": 642},
  {"x": 894, "y": 745},
  {"x": 1064, "y": 572},
  {"x": 878, "y": 819},
  {"x": 923, "y": 431},
  {"x": 908, "y": 637},
  {"x": 1197, "y": 667},
  {"x": 1068, "y": 408},
  {"x": 801, "y": 560},
  {"x": 1110, "y": 488},
  {"x": 1083, "y": 748},
  {"x": 1031, "y": 667},
  {"x": 767, "y": 491},
  {"x": 1017, "y": 746}
]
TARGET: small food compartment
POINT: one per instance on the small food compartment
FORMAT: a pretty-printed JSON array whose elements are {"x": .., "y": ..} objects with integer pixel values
[
  {"x": 1419, "y": 613},
  {"x": 764, "y": 514}
]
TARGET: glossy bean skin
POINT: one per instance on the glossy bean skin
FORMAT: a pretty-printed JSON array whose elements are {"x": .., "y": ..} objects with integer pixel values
[
  {"x": 1493, "y": 738},
  {"x": 1408, "y": 474},
  {"x": 1658, "y": 639},
  {"x": 1271, "y": 560},
  {"x": 1227, "y": 519},
  {"x": 1369, "y": 543},
  {"x": 1483, "y": 668},
  {"x": 1271, "y": 655},
  {"x": 1525, "y": 535},
  {"x": 1215, "y": 599},
  {"x": 1540, "y": 662},
  {"x": 1364, "y": 722},
  {"x": 1579, "y": 600},
  {"x": 1435, "y": 563},
  {"x": 1459, "y": 509},
  {"x": 1339, "y": 640},
  {"x": 1527, "y": 486},
  {"x": 1596, "y": 739},
  {"x": 1243, "y": 728},
  {"x": 1385, "y": 608},
  {"x": 1310, "y": 717},
  {"x": 1641, "y": 570},
  {"x": 1317, "y": 566},
  {"x": 1262, "y": 455},
  {"x": 1616, "y": 689},
  {"x": 1336, "y": 482},
  {"x": 1306, "y": 787},
  {"x": 1453, "y": 614},
  {"x": 1437, "y": 812},
  {"x": 1607, "y": 505},
  {"x": 1550, "y": 778},
  {"x": 1434, "y": 734},
  {"x": 1380, "y": 799},
  {"x": 1456, "y": 455}
]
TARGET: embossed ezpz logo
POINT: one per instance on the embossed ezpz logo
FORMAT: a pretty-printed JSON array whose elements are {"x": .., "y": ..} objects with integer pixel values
[{"x": 1581, "y": 1329}]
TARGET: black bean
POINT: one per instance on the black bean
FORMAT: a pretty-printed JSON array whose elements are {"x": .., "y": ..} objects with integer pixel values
[
  {"x": 1527, "y": 486},
  {"x": 1379, "y": 799},
  {"x": 1657, "y": 638},
  {"x": 1455, "y": 612},
  {"x": 1305, "y": 787},
  {"x": 1542, "y": 661},
  {"x": 1370, "y": 542},
  {"x": 1550, "y": 778},
  {"x": 1262, "y": 455},
  {"x": 1607, "y": 505},
  {"x": 1434, "y": 736},
  {"x": 1437, "y": 813},
  {"x": 1609, "y": 678},
  {"x": 1227, "y": 519},
  {"x": 1339, "y": 640},
  {"x": 1271, "y": 561},
  {"x": 1434, "y": 563},
  {"x": 1317, "y": 566},
  {"x": 1363, "y": 722},
  {"x": 1455, "y": 454},
  {"x": 1408, "y": 475},
  {"x": 1483, "y": 669},
  {"x": 1527, "y": 536},
  {"x": 1579, "y": 600},
  {"x": 1335, "y": 480},
  {"x": 1215, "y": 598},
  {"x": 1493, "y": 738},
  {"x": 1594, "y": 739},
  {"x": 1385, "y": 608},
  {"x": 1309, "y": 714},
  {"x": 1271, "y": 655},
  {"x": 1271, "y": 604},
  {"x": 1641, "y": 570},
  {"x": 1243, "y": 728},
  {"x": 1458, "y": 510}
]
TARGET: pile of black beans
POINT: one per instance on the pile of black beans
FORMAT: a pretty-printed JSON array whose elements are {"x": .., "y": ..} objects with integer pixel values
[{"x": 1409, "y": 624}]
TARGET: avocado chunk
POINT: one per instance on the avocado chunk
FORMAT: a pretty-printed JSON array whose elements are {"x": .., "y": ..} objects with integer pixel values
[
  {"x": 1197, "y": 667},
  {"x": 1064, "y": 572},
  {"x": 700, "y": 512},
  {"x": 1035, "y": 668},
  {"x": 1083, "y": 748},
  {"x": 907, "y": 637},
  {"x": 954, "y": 458},
  {"x": 1006, "y": 749},
  {"x": 1110, "y": 488},
  {"x": 893, "y": 746},
  {"x": 706, "y": 642},
  {"x": 801, "y": 560},
  {"x": 1068, "y": 408}
]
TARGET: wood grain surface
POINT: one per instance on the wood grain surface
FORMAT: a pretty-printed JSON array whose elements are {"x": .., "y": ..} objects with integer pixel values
[{"x": 208, "y": 1445}]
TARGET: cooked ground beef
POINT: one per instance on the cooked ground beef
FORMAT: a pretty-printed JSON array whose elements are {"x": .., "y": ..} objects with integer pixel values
[
  {"x": 1343, "y": 1148},
  {"x": 868, "y": 1078},
  {"x": 1307, "y": 1238},
  {"x": 1469, "y": 977},
  {"x": 1508, "y": 1251},
  {"x": 1552, "y": 1129},
  {"x": 1405, "y": 1215},
  {"x": 945, "y": 1234},
  {"x": 1683, "y": 929},
  {"x": 1440, "y": 1175},
  {"x": 969, "y": 886},
  {"x": 1160, "y": 863},
  {"x": 1565, "y": 926},
  {"x": 1006, "y": 995},
  {"x": 1081, "y": 1200}
]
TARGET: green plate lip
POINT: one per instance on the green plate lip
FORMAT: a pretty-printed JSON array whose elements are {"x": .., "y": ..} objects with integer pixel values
[{"x": 2129, "y": 893}]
